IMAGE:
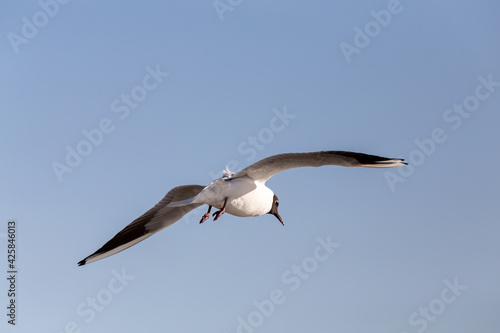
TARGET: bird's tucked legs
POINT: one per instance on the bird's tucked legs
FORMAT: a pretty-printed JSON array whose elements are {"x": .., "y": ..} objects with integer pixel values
[
  {"x": 218, "y": 213},
  {"x": 206, "y": 215}
]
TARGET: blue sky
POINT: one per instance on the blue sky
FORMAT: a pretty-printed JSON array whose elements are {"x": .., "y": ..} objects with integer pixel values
[{"x": 152, "y": 95}]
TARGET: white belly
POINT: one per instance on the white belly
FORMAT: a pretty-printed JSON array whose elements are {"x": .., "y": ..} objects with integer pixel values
[
  {"x": 245, "y": 198},
  {"x": 254, "y": 203}
]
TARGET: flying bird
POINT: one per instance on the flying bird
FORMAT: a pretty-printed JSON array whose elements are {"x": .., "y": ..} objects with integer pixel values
[{"x": 241, "y": 194}]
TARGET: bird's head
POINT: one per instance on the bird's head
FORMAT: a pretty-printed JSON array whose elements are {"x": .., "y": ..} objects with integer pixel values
[{"x": 274, "y": 209}]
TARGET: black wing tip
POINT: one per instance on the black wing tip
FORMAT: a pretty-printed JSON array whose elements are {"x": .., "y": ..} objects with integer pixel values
[
  {"x": 390, "y": 162},
  {"x": 82, "y": 262},
  {"x": 400, "y": 160}
]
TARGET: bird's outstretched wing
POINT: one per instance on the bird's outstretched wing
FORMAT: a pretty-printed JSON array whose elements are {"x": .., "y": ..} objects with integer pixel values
[
  {"x": 268, "y": 167},
  {"x": 154, "y": 220}
]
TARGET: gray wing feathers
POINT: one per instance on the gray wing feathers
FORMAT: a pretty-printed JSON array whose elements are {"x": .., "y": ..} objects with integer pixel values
[
  {"x": 154, "y": 220},
  {"x": 165, "y": 216},
  {"x": 268, "y": 167}
]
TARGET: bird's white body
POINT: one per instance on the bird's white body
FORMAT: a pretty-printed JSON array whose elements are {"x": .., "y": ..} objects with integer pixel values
[{"x": 245, "y": 197}]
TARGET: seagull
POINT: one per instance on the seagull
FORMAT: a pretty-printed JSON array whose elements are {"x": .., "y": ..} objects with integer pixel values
[{"x": 242, "y": 194}]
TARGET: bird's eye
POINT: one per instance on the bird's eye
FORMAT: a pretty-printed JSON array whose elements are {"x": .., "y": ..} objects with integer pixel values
[{"x": 277, "y": 203}]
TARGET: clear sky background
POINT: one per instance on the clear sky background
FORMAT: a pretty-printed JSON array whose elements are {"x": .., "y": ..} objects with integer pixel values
[{"x": 416, "y": 248}]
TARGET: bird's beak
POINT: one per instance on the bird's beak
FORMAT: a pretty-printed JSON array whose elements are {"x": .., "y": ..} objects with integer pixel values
[{"x": 278, "y": 217}]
